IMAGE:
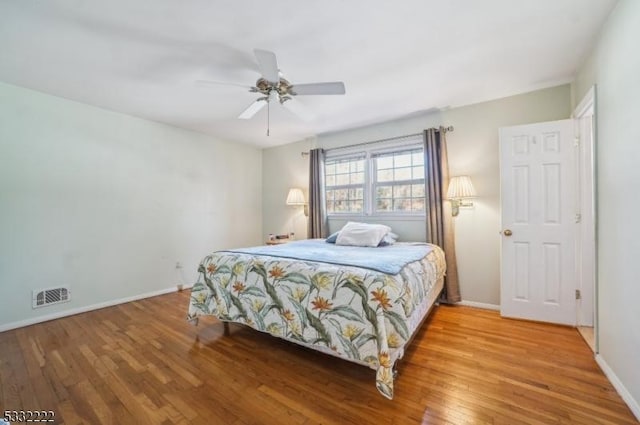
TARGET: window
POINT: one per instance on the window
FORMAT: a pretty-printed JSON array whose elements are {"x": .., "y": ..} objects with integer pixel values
[
  {"x": 379, "y": 181},
  {"x": 344, "y": 185},
  {"x": 399, "y": 181}
]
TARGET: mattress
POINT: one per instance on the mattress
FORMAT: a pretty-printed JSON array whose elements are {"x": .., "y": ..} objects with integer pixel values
[{"x": 353, "y": 312}]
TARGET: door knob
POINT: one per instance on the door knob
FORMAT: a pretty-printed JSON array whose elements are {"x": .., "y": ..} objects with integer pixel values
[{"x": 507, "y": 232}]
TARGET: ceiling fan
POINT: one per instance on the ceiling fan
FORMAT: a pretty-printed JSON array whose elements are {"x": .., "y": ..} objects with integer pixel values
[{"x": 273, "y": 87}]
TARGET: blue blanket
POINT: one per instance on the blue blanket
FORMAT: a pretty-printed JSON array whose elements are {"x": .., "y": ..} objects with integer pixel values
[{"x": 388, "y": 259}]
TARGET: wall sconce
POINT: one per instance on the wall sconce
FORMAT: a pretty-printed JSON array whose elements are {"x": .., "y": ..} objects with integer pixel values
[
  {"x": 296, "y": 198},
  {"x": 460, "y": 191}
]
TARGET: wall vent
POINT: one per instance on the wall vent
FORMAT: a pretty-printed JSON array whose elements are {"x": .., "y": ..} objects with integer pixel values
[{"x": 49, "y": 296}]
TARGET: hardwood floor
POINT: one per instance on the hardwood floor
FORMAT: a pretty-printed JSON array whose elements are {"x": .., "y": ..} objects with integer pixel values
[
  {"x": 142, "y": 363},
  {"x": 587, "y": 333}
]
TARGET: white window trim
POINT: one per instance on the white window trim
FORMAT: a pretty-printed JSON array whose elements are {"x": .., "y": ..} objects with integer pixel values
[
  {"x": 351, "y": 156},
  {"x": 376, "y": 149}
]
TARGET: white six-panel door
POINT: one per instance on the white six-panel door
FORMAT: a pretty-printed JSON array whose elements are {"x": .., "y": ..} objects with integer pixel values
[{"x": 538, "y": 222}]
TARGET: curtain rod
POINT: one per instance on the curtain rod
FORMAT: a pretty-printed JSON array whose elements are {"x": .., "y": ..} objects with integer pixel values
[{"x": 443, "y": 129}]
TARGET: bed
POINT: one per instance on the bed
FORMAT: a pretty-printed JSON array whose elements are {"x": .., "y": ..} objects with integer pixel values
[{"x": 360, "y": 304}]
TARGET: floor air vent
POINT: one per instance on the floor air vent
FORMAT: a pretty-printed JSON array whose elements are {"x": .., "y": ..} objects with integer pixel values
[{"x": 44, "y": 297}]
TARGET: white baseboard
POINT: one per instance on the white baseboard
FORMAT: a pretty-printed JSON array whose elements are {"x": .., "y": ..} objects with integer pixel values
[
  {"x": 71, "y": 312},
  {"x": 619, "y": 386},
  {"x": 479, "y": 305}
]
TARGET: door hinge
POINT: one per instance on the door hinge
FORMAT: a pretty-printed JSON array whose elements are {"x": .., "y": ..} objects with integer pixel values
[
  {"x": 578, "y": 295},
  {"x": 576, "y": 141},
  {"x": 578, "y": 218}
]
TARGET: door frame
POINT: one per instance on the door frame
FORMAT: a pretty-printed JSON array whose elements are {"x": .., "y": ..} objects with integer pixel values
[{"x": 587, "y": 252}]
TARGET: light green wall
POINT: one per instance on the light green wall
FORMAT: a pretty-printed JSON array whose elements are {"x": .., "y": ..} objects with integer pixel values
[
  {"x": 585, "y": 79},
  {"x": 108, "y": 203},
  {"x": 614, "y": 67},
  {"x": 473, "y": 150},
  {"x": 284, "y": 167}
]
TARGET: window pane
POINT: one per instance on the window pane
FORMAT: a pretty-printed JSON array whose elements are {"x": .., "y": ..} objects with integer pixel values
[
  {"x": 357, "y": 178},
  {"x": 417, "y": 205},
  {"x": 342, "y": 167},
  {"x": 330, "y": 168},
  {"x": 383, "y": 162},
  {"x": 342, "y": 179},
  {"x": 403, "y": 166},
  {"x": 403, "y": 174},
  {"x": 383, "y": 205},
  {"x": 402, "y": 191},
  {"x": 402, "y": 204},
  {"x": 384, "y": 192},
  {"x": 349, "y": 174},
  {"x": 402, "y": 160},
  {"x": 330, "y": 207},
  {"x": 385, "y": 175},
  {"x": 330, "y": 180}
]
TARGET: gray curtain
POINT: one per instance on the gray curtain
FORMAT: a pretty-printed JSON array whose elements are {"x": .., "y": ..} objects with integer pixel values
[
  {"x": 439, "y": 220},
  {"x": 317, "y": 207}
]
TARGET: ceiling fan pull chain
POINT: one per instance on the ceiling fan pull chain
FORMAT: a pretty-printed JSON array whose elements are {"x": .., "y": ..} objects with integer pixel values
[{"x": 268, "y": 116}]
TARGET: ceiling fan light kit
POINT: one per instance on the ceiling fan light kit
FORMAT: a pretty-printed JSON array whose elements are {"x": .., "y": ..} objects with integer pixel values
[{"x": 274, "y": 88}]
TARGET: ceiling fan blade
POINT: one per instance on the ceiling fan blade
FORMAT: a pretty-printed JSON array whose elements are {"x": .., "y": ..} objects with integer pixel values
[
  {"x": 268, "y": 65},
  {"x": 298, "y": 109},
  {"x": 253, "y": 109},
  {"x": 318, "y": 88},
  {"x": 221, "y": 83}
]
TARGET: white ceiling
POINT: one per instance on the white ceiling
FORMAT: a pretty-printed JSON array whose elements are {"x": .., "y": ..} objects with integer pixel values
[{"x": 396, "y": 58}]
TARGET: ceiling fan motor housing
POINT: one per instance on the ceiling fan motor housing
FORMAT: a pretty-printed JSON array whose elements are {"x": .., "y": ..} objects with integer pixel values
[{"x": 265, "y": 87}]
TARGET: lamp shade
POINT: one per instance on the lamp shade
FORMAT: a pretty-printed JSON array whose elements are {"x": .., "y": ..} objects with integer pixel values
[
  {"x": 460, "y": 187},
  {"x": 295, "y": 197}
]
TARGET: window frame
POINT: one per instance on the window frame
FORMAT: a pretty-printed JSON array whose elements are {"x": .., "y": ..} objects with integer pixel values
[
  {"x": 375, "y": 183},
  {"x": 370, "y": 179},
  {"x": 352, "y": 156}
]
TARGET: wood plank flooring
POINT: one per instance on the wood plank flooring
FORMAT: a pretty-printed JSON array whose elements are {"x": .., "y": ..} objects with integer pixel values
[
  {"x": 587, "y": 333},
  {"x": 142, "y": 363}
]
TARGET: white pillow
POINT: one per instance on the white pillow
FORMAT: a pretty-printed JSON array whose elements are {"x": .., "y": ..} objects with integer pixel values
[
  {"x": 387, "y": 240},
  {"x": 362, "y": 234}
]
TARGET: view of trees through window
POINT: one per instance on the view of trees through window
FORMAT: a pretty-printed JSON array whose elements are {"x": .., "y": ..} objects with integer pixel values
[
  {"x": 344, "y": 184},
  {"x": 399, "y": 181},
  {"x": 376, "y": 182}
]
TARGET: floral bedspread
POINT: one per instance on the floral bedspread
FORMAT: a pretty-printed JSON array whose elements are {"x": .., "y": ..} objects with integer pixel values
[{"x": 354, "y": 313}]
